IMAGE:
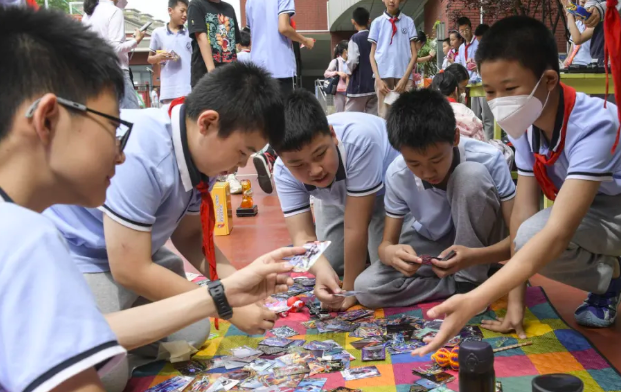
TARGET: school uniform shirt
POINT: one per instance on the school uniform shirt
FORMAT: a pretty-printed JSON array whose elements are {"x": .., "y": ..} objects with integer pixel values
[
  {"x": 270, "y": 49},
  {"x": 583, "y": 57},
  {"x": 244, "y": 56},
  {"x": 429, "y": 206},
  {"x": 152, "y": 191},
  {"x": 219, "y": 22},
  {"x": 466, "y": 55},
  {"x": 175, "y": 74},
  {"x": 50, "y": 327},
  {"x": 392, "y": 53},
  {"x": 591, "y": 133},
  {"x": 364, "y": 155}
]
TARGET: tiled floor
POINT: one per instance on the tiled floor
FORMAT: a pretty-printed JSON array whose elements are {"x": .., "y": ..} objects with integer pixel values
[{"x": 252, "y": 237}]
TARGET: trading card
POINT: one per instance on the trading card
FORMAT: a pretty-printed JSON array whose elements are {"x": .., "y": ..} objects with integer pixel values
[
  {"x": 404, "y": 348},
  {"x": 314, "y": 249},
  {"x": 232, "y": 364},
  {"x": 374, "y": 353},
  {"x": 296, "y": 343},
  {"x": 244, "y": 352},
  {"x": 317, "y": 367},
  {"x": 425, "y": 372},
  {"x": 291, "y": 370},
  {"x": 277, "y": 306},
  {"x": 311, "y": 385},
  {"x": 260, "y": 365},
  {"x": 440, "y": 378},
  {"x": 174, "y": 384},
  {"x": 296, "y": 289},
  {"x": 202, "y": 382},
  {"x": 240, "y": 374},
  {"x": 295, "y": 359},
  {"x": 453, "y": 342},
  {"x": 421, "y": 333},
  {"x": 498, "y": 386},
  {"x": 441, "y": 388},
  {"x": 334, "y": 366},
  {"x": 252, "y": 383},
  {"x": 368, "y": 332},
  {"x": 309, "y": 324},
  {"x": 284, "y": 332},
  {"x": 344, "y": 389},
  {"x": 191, "y": 368},
  {"x": 306, "y": 282},
  {"x": 328, "y": 354},
  {"x": 427, "y": 383},
  {"x": 360, "y": 373},
  {"x": 346, "y": 294},
  {"x": 276, "y": 342},
  {"x": 360, "y": 344},
  {"x": 337, "y": 325},
  {"x": 270, "y": 350},
  {"x": 223, "y": 383},
  {"x": 471, "y": 333},
  {"x": 418, "y": 388},
  {"x": 249, "y": 359},
  {"x": 319, "y": 345},
  {"x": 355, "y": 314},
  {"x": 433, "y": 324}
]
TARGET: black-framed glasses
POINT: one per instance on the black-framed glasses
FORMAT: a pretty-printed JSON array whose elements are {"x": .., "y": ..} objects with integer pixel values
[{"x": 124, "y": 128}]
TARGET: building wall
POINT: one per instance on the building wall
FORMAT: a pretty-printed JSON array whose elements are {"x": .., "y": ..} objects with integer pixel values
[{"x": 311, "y": 15}]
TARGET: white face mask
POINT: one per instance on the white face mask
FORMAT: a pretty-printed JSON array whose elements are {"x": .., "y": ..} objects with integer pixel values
[{"x": 515, "y": 114}]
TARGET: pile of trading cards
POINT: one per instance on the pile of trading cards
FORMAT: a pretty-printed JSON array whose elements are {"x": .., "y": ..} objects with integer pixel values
[{"x": 281, "y": 363}]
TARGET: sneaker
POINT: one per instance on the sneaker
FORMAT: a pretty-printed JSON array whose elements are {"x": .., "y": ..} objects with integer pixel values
[
  {"x": 600, "y": 310},
  {"x": 234, "y": 184},
  {"x": 264, "y": 163}
]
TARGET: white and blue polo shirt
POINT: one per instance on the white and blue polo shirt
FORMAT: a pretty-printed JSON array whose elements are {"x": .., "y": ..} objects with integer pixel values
[
  {"x": 364, "y": 156},
  {"x": 151, "y": 192},
  {"x": 270, "y": 49},
  {"x": 50, "y": 327},
  {"x": 175, "y": 75},
  {"x": 429, "y": 206},
  {"x": 392, "y": 59},
  {"x": 591, "y": 133},
  {"x": 467, "y": 53}
]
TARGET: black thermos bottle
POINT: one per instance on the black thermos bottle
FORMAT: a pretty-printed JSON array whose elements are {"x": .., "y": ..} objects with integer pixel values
[
  {"x": 557, "y": 383},
  {"x": 476, "y": 367}
]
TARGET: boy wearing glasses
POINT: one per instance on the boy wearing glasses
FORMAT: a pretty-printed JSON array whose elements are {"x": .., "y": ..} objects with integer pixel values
[{"x": 55, "y": 150}]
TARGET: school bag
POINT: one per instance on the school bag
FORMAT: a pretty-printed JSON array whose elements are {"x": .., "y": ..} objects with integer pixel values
[{"x": 330, "y": 85}]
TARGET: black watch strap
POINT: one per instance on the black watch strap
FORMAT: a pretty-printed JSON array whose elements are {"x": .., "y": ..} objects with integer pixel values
[{"x": 216, "y": 290}]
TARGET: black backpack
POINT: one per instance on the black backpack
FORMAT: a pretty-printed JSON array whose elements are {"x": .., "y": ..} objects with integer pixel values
[{"x": 330, "y": 85}]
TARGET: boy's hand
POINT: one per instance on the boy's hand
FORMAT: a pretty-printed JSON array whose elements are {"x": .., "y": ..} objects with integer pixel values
[
  {"x": 327, "y": 283},
  {"x": 253, "y": 319},
  {"x": 381, "y": 86},
  {"x": 402, "y": 85},
  {"x": 458, "y": 309},
  {"x": 594, "y": 19},
  {"x": 260, "y": 279},
  {"x": 309, "y": 43},
  {"x": 464, "y": 258},
  {"x": 513, "y": 321},
  {"x": 403, "y": 258}
]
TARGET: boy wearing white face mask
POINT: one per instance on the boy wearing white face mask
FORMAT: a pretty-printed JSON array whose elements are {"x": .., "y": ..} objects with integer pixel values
[{"x": 570, "y": 153}]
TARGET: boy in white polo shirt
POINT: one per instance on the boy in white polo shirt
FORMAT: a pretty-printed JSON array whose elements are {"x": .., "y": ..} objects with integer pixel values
[
  {"x": 67, "y": 151},
  {"x": 156, "y": 194},
  {"x": 566, "y": 146},
  {"x": 175, "y": 57},
  {"x": 443, "y": 193},
  {"x": 341, "y": 161},
  {"x": 393, "y": 52}
]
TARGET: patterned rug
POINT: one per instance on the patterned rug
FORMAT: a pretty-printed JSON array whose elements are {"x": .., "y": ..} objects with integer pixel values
[{"x": 556, "y": 348}]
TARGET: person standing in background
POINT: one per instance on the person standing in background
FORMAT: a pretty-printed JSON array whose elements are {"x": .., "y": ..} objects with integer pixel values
[
  {"x": 215, "y": 34},
  {"x": 105, "y": 17},
  {"x": 155, "y": 99},
  {"x": 455, "y": 39},
  {"x": 338, "y": 66},
  {"x": 361, "y": 95},
  {"x": 171, "y": 47},
  {"x": 246, "y": 46}
]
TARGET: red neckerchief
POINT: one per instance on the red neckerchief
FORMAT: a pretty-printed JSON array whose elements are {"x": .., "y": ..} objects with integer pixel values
[
  {"x": 32, "y": 4},
  {"x": 612, "y": 51},
  {"x": 467, "y": 46},
  {"x": 451, "y": 99},
  {"x": 246, "y": 50},
  {"x": 542, "y": 161},
  {"x": 208, "y": 218},
  {"x": 393, "y": 21}
]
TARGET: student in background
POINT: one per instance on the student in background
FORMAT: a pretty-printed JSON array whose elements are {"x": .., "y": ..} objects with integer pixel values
[
  {"x": 421, "y": 40},
  {"x": 443, "y": 193},
  {"x": 446, "y": 49},
  {"x": 456, "y": 41},
  {"x": 480, "y": 30},
  {"x": 107, "y": 20},
  {"x": 393, "y": 52},
  {"x": 171, "y": 48},
  {"x": 565, "y": 144},
  {"x": 340, "y": 161},
  {"x": 580, "y": 53},
  {"x": 272, "y": 37},
  {"x": 468, "y": 123},
  {"x": 338, "y": 66},
  {"x": 215, "y": 33},
  {"x": 155, "y": 99},
  {"x": 361, "y": 95},
  {"x": 244, "y": 54},
  {"x": 463, "y": 77}
]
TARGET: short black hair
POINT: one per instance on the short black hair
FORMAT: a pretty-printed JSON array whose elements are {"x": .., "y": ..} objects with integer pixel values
[
  {"x": 419, "y": 119},
  {"x": 245, "y": 96},
  {"x": 464, "y": 21},
  {"x": 361, "y": 16},
  {"x": 245, "y": 37},
  {"x": 421, "y": 37},
  {"x": 522, "y": 39},
  {"x": 481, "y": 29},
  {"x": 173, "y": 3},
  {"x": 447, "y": 41},
  {"x": 445, "y": 82},
  {"x": 49, "y": 52},
  {"x": 458, "y": 71},
  {"x": 304, "y": 119}
]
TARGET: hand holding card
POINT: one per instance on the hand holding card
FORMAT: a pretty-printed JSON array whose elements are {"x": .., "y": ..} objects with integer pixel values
[{"x": 302, "y": 263}]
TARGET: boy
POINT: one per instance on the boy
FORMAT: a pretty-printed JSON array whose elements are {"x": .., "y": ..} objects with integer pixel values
[
  {"x": 443, "y": 193},
  {"x": 244, "y": 55},
  {"x": 480, "y": 30},
  {"x": 156, "y": 194},
  {"x": 67, "y": 151},
  {"x": 341, "y": 161},
  {"x": 272, "y": 34},
  {"x": 175, "y": 53},
  {"x": 361, "y": 89},
  {"x": 567, "y": 155},
  {"x": 215, "y": 34},
  {"x": 393, "y": 52}
]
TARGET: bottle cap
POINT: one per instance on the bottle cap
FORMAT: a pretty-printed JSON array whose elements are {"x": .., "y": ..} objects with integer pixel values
[
  {"x": 476, "y": 357},
  {"x": 557, "y": 383}
]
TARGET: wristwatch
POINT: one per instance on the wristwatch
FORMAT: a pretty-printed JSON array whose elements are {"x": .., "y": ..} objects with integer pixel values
[{"x": 216, "y": 290}]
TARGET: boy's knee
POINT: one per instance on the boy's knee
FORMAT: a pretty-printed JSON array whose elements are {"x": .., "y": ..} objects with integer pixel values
[
  {"x": 364, "y": 284},
  {"x": 470, "y": 178},
  {"x": 527, "y": 230}
]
